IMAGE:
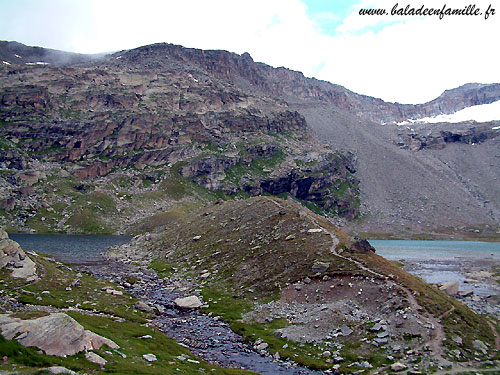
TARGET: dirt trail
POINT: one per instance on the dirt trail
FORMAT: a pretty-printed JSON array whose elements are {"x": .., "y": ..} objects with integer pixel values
[{"x": 495, "y": 334}]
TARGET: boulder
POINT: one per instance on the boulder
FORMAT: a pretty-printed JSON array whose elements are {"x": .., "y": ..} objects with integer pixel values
[
  {"x": 14, "y": 258},
  {"x": 320, "y": 267},
  {"x": 139, "y": 305},
  {"x": 466, "y": 293},
  {"x": 8, "y": 204},
  {"x": 360, "y": 245},
  {"x": 149, "y": 357},
  {"x": 60, "y": 370},
  {"x": 450, "y": 288},
  {"x": 92, "y": 357},
  {"x": 480, "y": 346},
  {"x": 398, "y": 366},
  {"x": 191, "y": 302},
  {"x": 56, "y": 334}
]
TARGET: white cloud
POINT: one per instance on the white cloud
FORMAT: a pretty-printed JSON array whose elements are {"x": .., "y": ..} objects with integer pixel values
[{"x": 417, "y": 59}]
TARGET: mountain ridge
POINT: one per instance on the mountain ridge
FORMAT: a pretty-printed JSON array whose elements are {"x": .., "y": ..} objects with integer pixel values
[{"x": 160, "y": 104}]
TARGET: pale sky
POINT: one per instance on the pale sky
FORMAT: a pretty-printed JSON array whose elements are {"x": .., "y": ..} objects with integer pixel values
[{"x": 396, "y": 58}]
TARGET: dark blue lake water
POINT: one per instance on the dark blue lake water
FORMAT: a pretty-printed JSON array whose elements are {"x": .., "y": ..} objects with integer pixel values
[{"x": 71, "y": 249}]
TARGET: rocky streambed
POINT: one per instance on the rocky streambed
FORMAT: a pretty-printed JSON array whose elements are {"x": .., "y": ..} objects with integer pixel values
[{"x": 205, "y": 335}]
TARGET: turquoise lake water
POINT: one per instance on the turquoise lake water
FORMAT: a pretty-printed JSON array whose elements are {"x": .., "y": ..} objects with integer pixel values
[{"x": 435, "y": 250}]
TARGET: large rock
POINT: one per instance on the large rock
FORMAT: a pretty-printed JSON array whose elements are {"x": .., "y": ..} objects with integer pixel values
[
  {"x": 14, "y": 258},
  {"x": 56, "y": 334},
  {"x": 95, "y": 358},
  {"x": 191, "y": 302},
  {"x": 450, "y": 288},
  {"x": 61, "y": 370},
  {"x": 398, "y": 366},
  {"x": 320, "y": 267},
  {"x": 361, "y": 246}
]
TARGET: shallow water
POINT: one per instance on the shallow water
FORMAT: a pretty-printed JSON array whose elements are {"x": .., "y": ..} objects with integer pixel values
[{"x": 442, "y": 261}]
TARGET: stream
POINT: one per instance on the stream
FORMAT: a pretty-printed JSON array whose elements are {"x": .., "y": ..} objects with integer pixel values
[{"x": 206, "y": 336}]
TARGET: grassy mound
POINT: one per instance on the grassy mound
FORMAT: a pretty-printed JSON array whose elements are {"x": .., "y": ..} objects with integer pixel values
[{"x": 246, "y": 253}]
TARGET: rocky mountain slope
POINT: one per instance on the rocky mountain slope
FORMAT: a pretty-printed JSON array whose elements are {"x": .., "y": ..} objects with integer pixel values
[
  {"x": 169, "y": 127},
  {"x": 87, "y": 144}
]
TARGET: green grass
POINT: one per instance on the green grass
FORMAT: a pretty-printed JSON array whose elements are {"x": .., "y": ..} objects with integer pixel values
[
  {"x": 162, "y": 268},
  {"x": 89, "y": 212}
]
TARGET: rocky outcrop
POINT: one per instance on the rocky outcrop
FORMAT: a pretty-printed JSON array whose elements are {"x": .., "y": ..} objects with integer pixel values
[
  {"x": 56, "y": 334},
  {"x": 439, "y": 135},
  {"x": 14, "y": 258},
  {"x": 328, "y": 183}
]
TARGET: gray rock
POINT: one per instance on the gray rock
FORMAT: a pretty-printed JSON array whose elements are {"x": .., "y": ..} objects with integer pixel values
[
  {"x": 262, "y": 346},
  {"x": 320, "y": 267},
  {"x": 191, "y": 302},
  {"x": 457, "y": 339},
  {"x": 383, "y": 334},
  {"x": 61, "y": 370},
  {"x": 480, "y": 346},
  {"x": 14, "y": 258},
  {"x": 398, "y": 366},
  {"x": 149, "y": 357},
  {"x": 450, "y": 288},
  {"x": 139, "y": 305},
  {"x": 315, "y": 230},
  {"x": 92, "y": 357},
  {"x": 466, "y": 293},
  {"x": 56, "y": 334},
  {"x": 113, "y": 291},
  {"x": 365, "y": 364},
  {"x": 345, "y": 330}
]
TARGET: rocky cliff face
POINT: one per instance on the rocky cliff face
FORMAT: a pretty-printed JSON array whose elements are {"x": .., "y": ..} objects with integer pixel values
[
  {"x": 142, "y": 114},
  {"x": 438, "y": 136}
]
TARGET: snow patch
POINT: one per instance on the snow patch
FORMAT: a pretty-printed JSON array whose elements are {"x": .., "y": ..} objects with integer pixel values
[
  {"x": 19, "y": 57},
  {"x": 37, "y": 63},
  {"x": 6, "y": 62},
  {"x": 119, "y": 57},
  {"x": 479, "y": 113},
  {"x": 495, "y": 128}
]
